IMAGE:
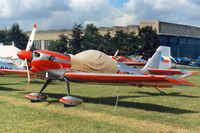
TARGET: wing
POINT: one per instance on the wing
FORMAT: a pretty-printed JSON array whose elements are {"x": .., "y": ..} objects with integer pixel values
[
  {"x": 134, "y": 63},
  {"x": 22, "y": 73},
  {"x": 183, "y": 73},
  {"x": 126, "y": 79}
]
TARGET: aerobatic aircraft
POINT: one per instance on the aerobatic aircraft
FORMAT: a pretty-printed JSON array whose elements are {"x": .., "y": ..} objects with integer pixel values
[
  {"x": 159, "y": 64},
  {"x": 96, "y": 68},
  {"x": 128, "y": 61}
]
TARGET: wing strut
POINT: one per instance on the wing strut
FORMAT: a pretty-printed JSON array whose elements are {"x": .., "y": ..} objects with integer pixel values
[
  {"x": 118, "y": 92},
  {"x": 161, "y": 92}
]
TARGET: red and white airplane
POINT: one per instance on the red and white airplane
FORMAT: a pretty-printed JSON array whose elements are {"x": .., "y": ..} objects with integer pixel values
[
  {"x": 158, "y": 64},
  {"x": 56, "y": 66},
  {"x": 128, "y": 61}
]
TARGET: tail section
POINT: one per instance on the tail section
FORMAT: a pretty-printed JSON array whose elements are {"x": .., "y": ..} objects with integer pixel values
[
  {"x": 160, "y": 59},
  {"x": 160, "y": 63}
]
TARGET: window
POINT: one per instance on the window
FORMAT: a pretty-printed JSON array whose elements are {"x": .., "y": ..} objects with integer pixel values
[
  {"x": 37, "y": 44},
  {"x": 46, "y": 44}
]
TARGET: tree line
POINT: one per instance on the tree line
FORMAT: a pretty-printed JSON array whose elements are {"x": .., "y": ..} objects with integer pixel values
[
  {"x": 143, "y": 44},
  {"x": 15, "y": 34}
]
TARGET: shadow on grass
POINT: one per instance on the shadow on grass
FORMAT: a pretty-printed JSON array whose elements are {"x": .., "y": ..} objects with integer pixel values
[
  {"x": 8, "y": 89},
  {"x": 13, "y": 83},
  {"x": 127, "y": 104},
  {"x": 40, "y": 82},
  {"x": 175, "y": 94}
]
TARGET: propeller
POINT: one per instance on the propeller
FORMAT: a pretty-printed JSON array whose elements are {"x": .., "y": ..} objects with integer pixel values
[{"x": 26, "y": 55}]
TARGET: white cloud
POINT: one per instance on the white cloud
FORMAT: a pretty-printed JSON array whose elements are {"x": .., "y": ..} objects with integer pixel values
[
  {"x": 51, "y": 14},
  {"x": 5, "y": 10},
  {"x": 179, "y": 11},
  {"x": 125, "y": 20},
  {"x": 87, "y": 5}
]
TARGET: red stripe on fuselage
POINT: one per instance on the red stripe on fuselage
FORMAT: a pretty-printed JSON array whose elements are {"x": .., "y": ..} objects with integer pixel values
[
  {"x": 58, "y": 55},
  {"x": 44, "y": 65}
]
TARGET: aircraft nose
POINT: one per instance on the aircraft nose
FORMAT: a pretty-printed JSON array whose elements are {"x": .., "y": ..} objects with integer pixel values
[{"x": 25, "y": 55}]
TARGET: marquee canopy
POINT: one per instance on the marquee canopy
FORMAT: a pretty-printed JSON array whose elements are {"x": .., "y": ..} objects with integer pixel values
[{"x": 9, "y": 51}]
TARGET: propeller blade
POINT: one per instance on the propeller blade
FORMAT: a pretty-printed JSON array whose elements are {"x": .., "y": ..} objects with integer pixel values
[
  {"x": 28, "y": 75},
  {"x": 27, "y": 69},
  {"x": 31, "y": 38},
  {"x": 116, "y": 53}
]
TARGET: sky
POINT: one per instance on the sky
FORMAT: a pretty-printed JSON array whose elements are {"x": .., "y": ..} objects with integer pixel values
[{"x": 63, "y": 14}]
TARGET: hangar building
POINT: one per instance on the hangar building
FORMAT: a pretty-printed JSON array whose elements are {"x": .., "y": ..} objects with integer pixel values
[{"x": 184, "y": 40}]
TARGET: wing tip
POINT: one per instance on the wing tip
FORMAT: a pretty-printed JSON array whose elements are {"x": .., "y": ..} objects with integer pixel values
[{"x": 179, "y": 81}]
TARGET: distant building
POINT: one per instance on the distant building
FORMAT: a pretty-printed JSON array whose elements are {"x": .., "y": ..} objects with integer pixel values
[{"x": 184, "y": 40}]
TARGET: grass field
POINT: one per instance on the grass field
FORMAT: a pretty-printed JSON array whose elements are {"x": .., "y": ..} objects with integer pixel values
[{"x": 139, "y": 109}]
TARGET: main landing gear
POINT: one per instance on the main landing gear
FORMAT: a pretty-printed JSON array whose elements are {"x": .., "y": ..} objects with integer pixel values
[
  {"x": 67, "y": 100},
  {"x": 37, "y": 97},
  {"x": 70, "y": 100}
]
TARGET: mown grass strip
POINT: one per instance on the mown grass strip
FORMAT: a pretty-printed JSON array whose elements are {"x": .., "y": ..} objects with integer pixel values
[{"x": 142, "y": 125}]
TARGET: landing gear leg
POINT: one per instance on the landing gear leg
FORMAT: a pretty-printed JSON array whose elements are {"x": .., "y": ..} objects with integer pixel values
[
  {"x": 68, "y": 86},
  {"x": 45, "y": 85},
  {"x": 69, "y": 100},
  {"x": 36, "y": 97},
  {"x": 161, "y": 92}
]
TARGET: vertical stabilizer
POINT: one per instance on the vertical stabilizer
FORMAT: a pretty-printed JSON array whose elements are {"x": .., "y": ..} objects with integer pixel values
[{"x": 160, "y": 59}]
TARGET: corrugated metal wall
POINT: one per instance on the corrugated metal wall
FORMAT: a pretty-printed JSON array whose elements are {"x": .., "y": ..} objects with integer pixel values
[{"x": 182, "y": 46}]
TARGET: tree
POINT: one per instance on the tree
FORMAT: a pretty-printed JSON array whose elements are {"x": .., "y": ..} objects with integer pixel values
[
  {"x": 15, "y": 34},
  {"x": 125, "y": 43},
  {"x": 148, "y": 41},
  {"x": 92, "y": 38},
  {"x": 3, "y": 35},
  {"x": 60, "y": 45},
  {"x": 106, "y": 45},
  {"x": 76, "y": 43}
]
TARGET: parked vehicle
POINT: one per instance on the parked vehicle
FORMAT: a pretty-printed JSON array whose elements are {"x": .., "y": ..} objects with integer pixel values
[
  {"x": 183, "y": 60},
  {"x": 195, "y": 63}
]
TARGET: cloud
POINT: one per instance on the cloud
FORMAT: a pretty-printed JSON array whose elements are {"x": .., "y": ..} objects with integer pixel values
[
  {"x": 179, "y": 11},
  {"x": 27, "y": 12},
  {"x": 51, "y": 14}
]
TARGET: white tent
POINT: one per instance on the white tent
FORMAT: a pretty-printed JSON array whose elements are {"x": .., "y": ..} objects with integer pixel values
[
  {"x": 9, "y": 51},
  {"x": 8, "y": 54}
]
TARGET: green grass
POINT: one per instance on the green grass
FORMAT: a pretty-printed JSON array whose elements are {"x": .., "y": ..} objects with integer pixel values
[{"x": 138, "y": 110}]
